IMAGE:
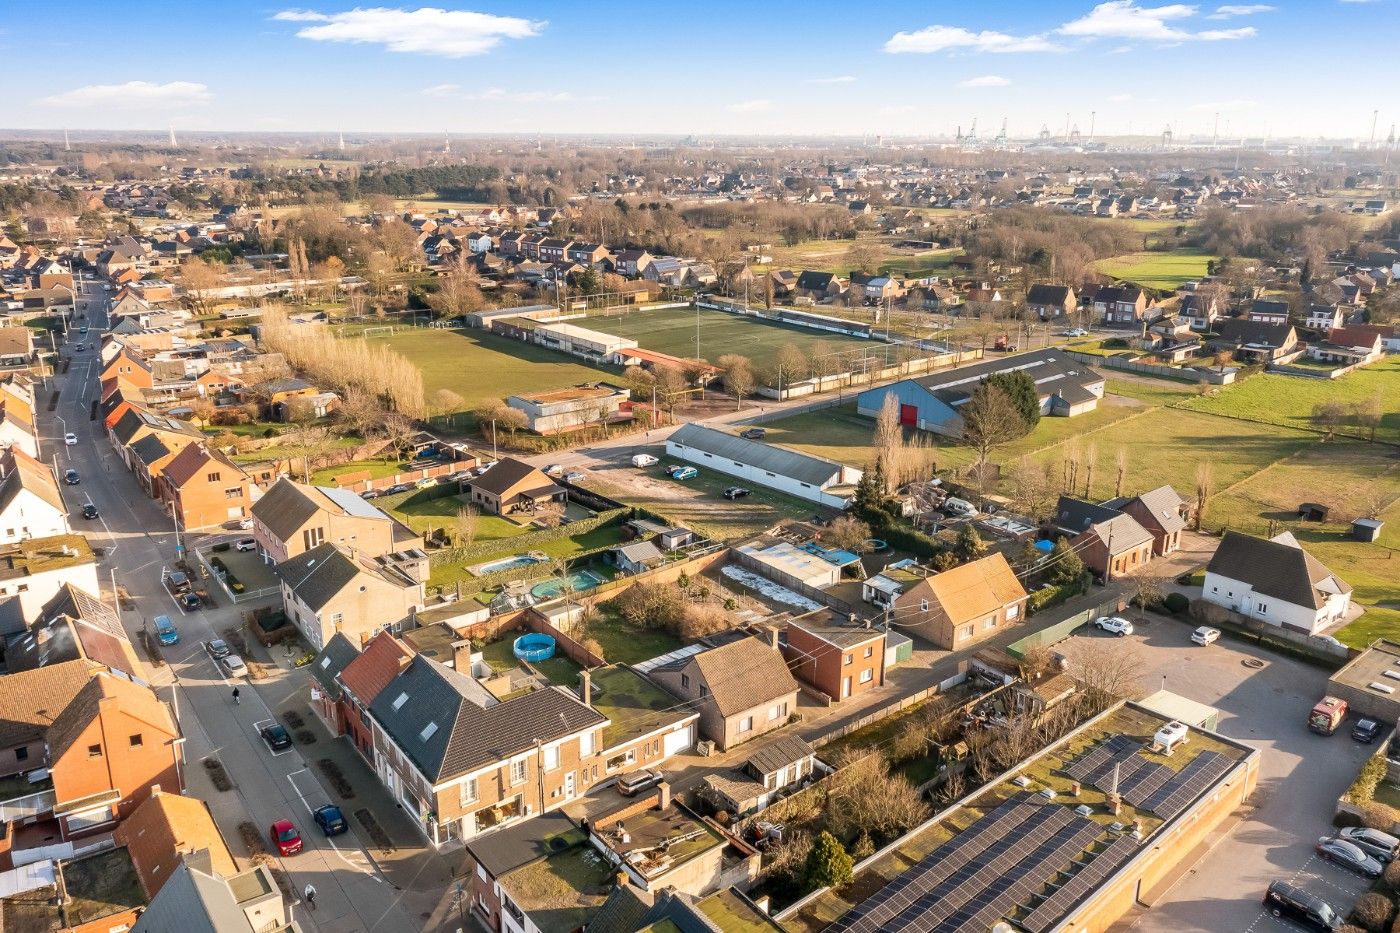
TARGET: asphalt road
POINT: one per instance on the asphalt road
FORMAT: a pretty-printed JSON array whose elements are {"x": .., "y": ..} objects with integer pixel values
[
  {"x": 139, "y": 540},
  {"x": 1301, "y": 776}
]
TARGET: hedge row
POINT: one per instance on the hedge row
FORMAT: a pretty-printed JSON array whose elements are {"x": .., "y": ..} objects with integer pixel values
[
  {"x": 1054, "y": 595},
  {"x": 524, "y": 543}
]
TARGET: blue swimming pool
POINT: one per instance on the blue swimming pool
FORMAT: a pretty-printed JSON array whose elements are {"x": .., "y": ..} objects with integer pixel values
[
  {"x": 579, "y": 581},
  {"x": 534, "y": 647},
  {"x": 505, "y": 563},
  {"x": 1045, "y": 546}
]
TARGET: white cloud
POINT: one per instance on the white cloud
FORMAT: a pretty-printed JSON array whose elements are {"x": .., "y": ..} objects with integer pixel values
[
  {"x": 133, "y": 95},
  {"x": 1124, "y": 19},
  {"x": 524, "y": 97},
  {"x": 1240, "y": 9},
  {"x": 1224, "y": 105},
  {"x": 1119, "y": 98},
  {"x": 985, "y": 81},
  {"x": 751, "y": 106},
  {"x": 838, "y": 79},
  {"x": 943, "y": 38},
  {"x": 442, "y": 90},
  {"x": 425, "y": 31}
]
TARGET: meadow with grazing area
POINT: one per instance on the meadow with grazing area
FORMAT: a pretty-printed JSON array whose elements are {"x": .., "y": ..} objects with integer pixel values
[
  {"x": 672, "y": 330},
  {"x": 1162, "y": 270}
]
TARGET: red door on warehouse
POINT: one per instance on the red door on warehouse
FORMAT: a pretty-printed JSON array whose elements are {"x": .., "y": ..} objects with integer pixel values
[{"x": 909, "y": 415}]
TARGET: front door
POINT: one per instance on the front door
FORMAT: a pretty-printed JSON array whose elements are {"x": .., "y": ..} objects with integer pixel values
[
  {"x": 569, "y": 786},
  {"x": 845, "y": 687}
]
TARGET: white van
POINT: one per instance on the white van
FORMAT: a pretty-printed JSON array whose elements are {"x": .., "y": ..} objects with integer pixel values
[
  {"x": 955, "y": 506},
  {"x": 644, "y": 460}
]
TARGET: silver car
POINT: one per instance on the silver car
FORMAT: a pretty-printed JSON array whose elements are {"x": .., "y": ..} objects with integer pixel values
[
  {"x": 1343, "y": 853},
  {"x": 234, "y": 665},
  {"x": 1380, "y": 846}
]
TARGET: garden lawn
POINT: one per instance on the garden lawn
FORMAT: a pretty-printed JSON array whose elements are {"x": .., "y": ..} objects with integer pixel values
[
  {"x": 378, "y": 469},
  {"x": 673, "y": 331},
  {"x": 448, "y": 575},
  {"x": 1289, "y": 400},
  {"x": 1344, "y": 475},
  {"x": 442, "y": 512},
  {"x": 1165, "y": 270},
  {"x": 624, "y": 643},
  {"x": 480, "y": 365}
]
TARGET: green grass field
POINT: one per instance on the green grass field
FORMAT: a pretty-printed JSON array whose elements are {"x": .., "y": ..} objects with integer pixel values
[
  {"x": 478, "y": 365},
  {"x": 442, "y": 513},
  {"x": 1289, "y": 400},
  {"x": 1157, "y": 270},
  {"x": 673, "y": 331}
]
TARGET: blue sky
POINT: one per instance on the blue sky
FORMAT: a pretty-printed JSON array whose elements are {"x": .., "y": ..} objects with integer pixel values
[{"x": 1289, "y": 67}]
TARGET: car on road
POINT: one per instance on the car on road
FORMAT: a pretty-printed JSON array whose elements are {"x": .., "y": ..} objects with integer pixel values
[
  {"x": 1074, "y": 332},
  {"x": 330, "y": 819},
  {"x": 218, "y": 648},
  {"x": 71, "y": 478},
  {"x": 234, "y": 665},
  {"x": 644, "y": 460},
  {"x": 276, "y": 736},
  {"x": 285, "y": 837},
  {"x": 80, "y": 348},
  {"x": 735, "y": 492},
  {"x": 1286, "y": 900},
  {"x": 1115, "y": 625},
  {"x": 575, "y": 476},
  {"x": 166, "y": 632},
  {"x": 371, "y": 494},
  {"x": 246, "y": 544},
  {"x": 634, "y": 784},
  {"x": 70, "y": 438},
  {"x": 89, "y": 510},
  {"x": 754, "y": 434},
  {"x": 1366, "y": 730},
  {"x": 1349, "y": 856},
  {"x": 190, "y": 602},
  {"x": 1383, "y": 847},
  {"x": 1205, "y": 635}
]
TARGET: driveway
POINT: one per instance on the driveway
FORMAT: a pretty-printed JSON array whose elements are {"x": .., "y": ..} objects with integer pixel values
[{"x": 1301, "y": 776}]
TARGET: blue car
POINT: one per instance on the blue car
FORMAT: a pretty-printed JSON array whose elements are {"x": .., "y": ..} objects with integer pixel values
[{"x": 330, "y": 820}]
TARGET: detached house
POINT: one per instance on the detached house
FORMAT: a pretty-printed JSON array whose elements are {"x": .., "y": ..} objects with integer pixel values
[
  {"x": 291, "y": 519},
  {"x": 333, "y": 589},
  {"x": 964, "y": 605},
  {"x": 1199, "y": 311},
  {"x": 1120, "y": 304},
  {"x": 512, "y": 486},
  {"x": 1051, "y": 301},
  {"x": 742, "y": 688},
  {"x": 835, "y": 655},
  {"x": 206, "y": 488},
  {"x": 1273, "y": 580},
  {"x": 1111, "y": 543},
  {"x": 1254, "y": 341},
  {"x": 30, "y": 503}
]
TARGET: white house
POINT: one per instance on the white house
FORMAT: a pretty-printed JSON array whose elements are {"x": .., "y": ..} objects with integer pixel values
[
  {"x": 30, "y": 503},
  {"x": 1273, "y": 580},
  {"x": 788, "y": 471},
  {"x": 35, "y": 569}
]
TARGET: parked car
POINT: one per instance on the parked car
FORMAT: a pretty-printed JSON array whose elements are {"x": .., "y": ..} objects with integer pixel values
[
  {"x": 1205, "y": 635},
  {"x": 245, "y": 525},
  {"x": 459, "y": 477},
  {"x": 685, "y": 473},
  {"x": 395, "y": 490},
  {"x": 754, "y": 434},
  {"x": 1348, "y": 855},
  {"x": 1074, "y": 332},
  {"x": 1383, "y": 847},
  {"x": 371, "y": 494},
  {"x": 285, "y": 837},
  {"x": 961, "y": 507},
  {"x": 633, "y": 784},
  {"x": 234, "y": 665},
  {"x": 554, "y": 469},
  {"x": 1115, "y": 625},
  {"x": 575, "y": 476},
  {"x": 70, "y": 438},
  {"x": 735, "y": 492},
  {"x": 71, "y": 478},
  {"x": 218, "y": 648},
  {"x": 1286, "y": 900},
  {"x": 426, "y": 482},
  {"x": 276, "y": 736},
  {"x": 643, "y": 460},
  {"x": 330, "y": 819},
  {"x": 1366, "y": 730},
  {"x": 166, "y": 632},
  {"x": 89, "y": 510},
  {"x": 189, "y": 601},
  {"x": 246, "y": 544}
]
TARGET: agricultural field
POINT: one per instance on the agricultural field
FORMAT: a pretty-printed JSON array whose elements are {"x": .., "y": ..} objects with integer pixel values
[
  {"x": 1165, "y": 270},
  {"x": 1289, "y": 400},
  {"x": 479, "y": 365},
  {"x": 673, "y": 331}
]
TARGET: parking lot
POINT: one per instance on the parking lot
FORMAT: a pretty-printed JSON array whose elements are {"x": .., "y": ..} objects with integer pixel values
[{"x": 1301, "y": 776}]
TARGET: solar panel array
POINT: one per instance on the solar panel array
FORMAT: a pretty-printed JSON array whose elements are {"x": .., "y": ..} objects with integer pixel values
[
  {"x": 1191, "y": 781},
  {"x": 982, "y": 874},
  {"x": 1089, "y": 876},
  {"x": 1097, "y": 764},
  {"x": 1144, "y": 784}
]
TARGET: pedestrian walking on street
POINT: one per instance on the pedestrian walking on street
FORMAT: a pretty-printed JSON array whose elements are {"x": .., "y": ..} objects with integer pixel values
[
  {"x": 235, "y": 696},
  {"x": 310, "y": 893}
]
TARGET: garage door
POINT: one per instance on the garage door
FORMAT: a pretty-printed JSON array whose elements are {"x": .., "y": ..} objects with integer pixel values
[
  {"x": 909, "y": 415},
  {"x": 677, "y": 742}
]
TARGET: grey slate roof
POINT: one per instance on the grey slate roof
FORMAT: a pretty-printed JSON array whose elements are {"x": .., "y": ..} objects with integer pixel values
[
  {"x": 338, "y": 653},
  {"x": 1272, "y": 568},
  {"x": 149, "y": 449},
  {"x": 1111, "y": 526},
  {"x": 779, "y": 460},
  {"x": 470, "y": 728},
  {"x": 1053, "y": 372},
  {"x": 1241, "y": 332},
  {"x": 1057, "y": 295},
  {"x": 317, "y": 575},
  {"x": 194, "y": 901},
  {"x": 780, "y": 753}
]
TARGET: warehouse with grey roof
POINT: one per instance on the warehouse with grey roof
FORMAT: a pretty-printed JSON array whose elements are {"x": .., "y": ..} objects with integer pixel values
[{"x": 823, "y": 481}]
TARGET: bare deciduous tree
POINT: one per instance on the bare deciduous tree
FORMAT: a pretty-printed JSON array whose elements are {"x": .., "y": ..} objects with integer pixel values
[
  {"x": 738, "y": 375},
  {"x": 1107, "y": 671},
  {"x": 848, "y": 533},
  {"x": 1205, "y": 479},
  {"x": 990, "y": 419}
]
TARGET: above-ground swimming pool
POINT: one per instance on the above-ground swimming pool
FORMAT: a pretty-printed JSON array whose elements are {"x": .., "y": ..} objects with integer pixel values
[
  {"x": 534, "y": 647},
  {"x": 877, "y": 545},
  {"x": 505, "y": 563},
  {"x": 1045, "y": 546},
  {"x": 579, "y": 581}
]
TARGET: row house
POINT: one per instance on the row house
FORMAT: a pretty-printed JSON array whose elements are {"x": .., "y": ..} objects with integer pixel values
[
  {"x": 1120, "y": 304},
  {"x": 205, "y": 489}
]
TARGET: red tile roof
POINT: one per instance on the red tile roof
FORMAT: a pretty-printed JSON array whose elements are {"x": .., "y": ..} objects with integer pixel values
[{"x": 381, "y": 661}]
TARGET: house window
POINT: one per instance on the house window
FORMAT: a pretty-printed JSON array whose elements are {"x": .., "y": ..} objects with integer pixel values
[
  {"x": 870, "y": 651},
  {"x": 136, "y": 741},
  {"x": 467, "y": 792},
  {"x": 1263, "y": 609},
  {"x": 212, "y": 477},
  {"x": 777, "y": 711},
  {"x": 517, "y": 772},
  {"x": 1012, "y": 612},
  {"x": 746, "y": 724},
  {"x": 399, "y": 701},
  {"x": 22, "y": 753},
  {"x": 850, "y": 658},
  {"x": 704, "y": 690},
  {"x": 336, "y": 619},
  {"x": 867, "y": 675},
  {"x": 585, "y": 745},
  {"x": 967, "y": 631},
  {"x": 313, "y": 537},
  {"x": 551, "y": 757},
  {"x": 989, "y": 622},
  {"x": 685, "y": 681},
  {"x": 94, "y": 751},
  {"x": 235, "y": 492}
]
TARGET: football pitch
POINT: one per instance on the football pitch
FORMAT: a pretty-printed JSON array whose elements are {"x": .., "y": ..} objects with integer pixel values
[{"x": 673, "y": 331}]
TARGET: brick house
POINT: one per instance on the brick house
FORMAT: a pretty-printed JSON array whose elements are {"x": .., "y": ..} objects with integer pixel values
[
  {"x": 1051, "y": 301},
  {"x": 1161, "y": 511},
  {"x": 165, "y": 831},
  {"x": 292, "y": 518},
  {"x": 964, "y": 605},
  {"x": 1120, "y": 304},
  {"x": 742, "y": 688},
  {"x": 206, "y": 488},
  {"x": 28, "y": 704},
  {"x": 332, "y": 588},
  {"x": 826, "y": 652},
  {"x": 1109, "y": 542}
]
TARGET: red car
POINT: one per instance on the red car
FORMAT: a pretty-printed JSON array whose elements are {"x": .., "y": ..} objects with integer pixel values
[{"x": 285, "y": 837}]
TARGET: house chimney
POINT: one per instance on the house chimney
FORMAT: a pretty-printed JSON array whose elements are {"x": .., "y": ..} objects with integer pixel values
[
  {"x": 663, "y": 795},
  {"x": 585, "y": 687},
  {"x": 773, "y": 637}
]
